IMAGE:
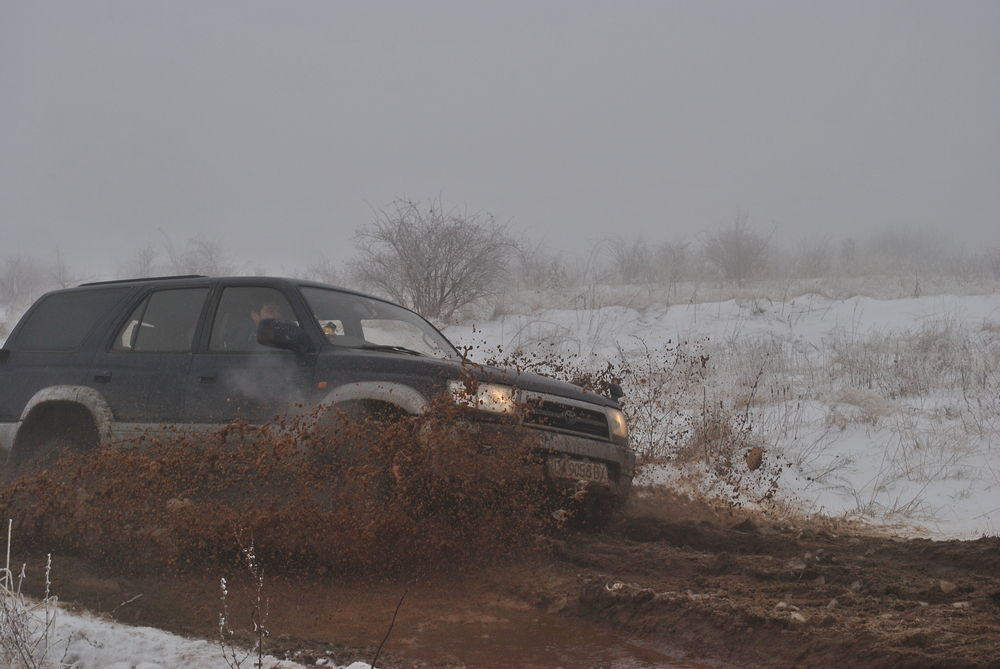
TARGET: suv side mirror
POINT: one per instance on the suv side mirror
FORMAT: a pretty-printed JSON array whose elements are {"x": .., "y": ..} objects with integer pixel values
[{"x": 282, "y": 333}]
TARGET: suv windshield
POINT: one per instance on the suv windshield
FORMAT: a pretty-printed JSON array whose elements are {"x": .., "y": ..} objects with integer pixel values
[{"x": 361, "y": 322}]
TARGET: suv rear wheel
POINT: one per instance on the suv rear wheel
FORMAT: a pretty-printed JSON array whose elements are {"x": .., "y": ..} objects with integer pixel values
[{"x": 49, "y": 431}]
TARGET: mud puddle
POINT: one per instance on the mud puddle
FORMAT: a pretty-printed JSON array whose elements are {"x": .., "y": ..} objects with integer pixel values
[
  {"x": 479, "y": 621},
  {"x": 527, "y": 640}
]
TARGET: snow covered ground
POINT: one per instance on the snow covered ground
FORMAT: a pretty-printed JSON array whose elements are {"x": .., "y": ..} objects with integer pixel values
[
  {"x": 86, "y": 642},
  {"x": 81, "y": 641},
  {"x": 886, "y": 411}
]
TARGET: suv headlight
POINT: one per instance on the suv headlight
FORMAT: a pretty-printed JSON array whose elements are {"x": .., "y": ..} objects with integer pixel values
[
  {"x": 619, "y": 428},
  {"x": 492, "y": 397}
]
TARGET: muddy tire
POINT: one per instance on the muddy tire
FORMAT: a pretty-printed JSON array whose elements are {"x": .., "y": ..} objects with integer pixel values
[
  {"x": 42, "y": 455},
  {"x": 50, "y": 431},
  {"x": 353, "y": 429}
]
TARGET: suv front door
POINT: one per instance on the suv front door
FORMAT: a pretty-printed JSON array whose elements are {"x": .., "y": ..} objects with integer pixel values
[{"x": 235, "y": 377}]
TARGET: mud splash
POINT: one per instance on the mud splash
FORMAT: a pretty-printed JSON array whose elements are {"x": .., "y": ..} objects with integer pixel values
[{"x": 322, "y": 492}]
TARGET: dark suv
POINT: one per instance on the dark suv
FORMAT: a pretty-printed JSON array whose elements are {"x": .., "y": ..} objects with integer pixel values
[{"x": 109, "y": 361}]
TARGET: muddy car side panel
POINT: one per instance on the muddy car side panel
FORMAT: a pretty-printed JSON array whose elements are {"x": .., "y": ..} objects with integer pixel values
[
  {"x": 29, "y": 376},
  {"x": 145, "y": 381}
]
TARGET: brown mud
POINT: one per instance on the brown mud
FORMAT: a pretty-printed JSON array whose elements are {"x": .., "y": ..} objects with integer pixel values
[{"x": 673, "y": 583}]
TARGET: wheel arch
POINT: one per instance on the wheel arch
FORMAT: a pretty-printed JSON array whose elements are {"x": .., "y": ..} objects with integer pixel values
[
  {"x": 75, "y": 399},
  {"x": 374, "y": 393}
]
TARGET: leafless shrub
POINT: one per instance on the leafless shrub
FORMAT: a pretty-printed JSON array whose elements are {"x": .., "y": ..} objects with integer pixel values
[
  {"x": 993, "y": 259},
  {"x": 632, "y": 262},
  {"x": 736, "y": 251},
  {"x": 657, "y": 385},
  {"x": 539, "y": 270},
  {"x": 259, "y": 610},
  {"x": 713, "y": 436},
  {"x": 813, "y": 259},
  {"x": 197, "y": 256},
  {"x": 25, "y": 628},
  {"x": 200, "y": 256},
  {"x": 896, "y": 251},
  {"x": 672, "y": 261},
  {"x": 324, "y": 271},
  {"x": 433, "y": 261},
  {"x": 848, "y": 256}
]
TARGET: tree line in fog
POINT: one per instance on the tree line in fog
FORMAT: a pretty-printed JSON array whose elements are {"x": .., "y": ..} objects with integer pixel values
[{"x": 437, "y": 261}]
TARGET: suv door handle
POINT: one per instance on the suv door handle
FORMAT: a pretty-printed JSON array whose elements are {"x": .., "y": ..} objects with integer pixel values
[
  {"x": 206, "y": 379},
  {"x": 103, "y": 377}
]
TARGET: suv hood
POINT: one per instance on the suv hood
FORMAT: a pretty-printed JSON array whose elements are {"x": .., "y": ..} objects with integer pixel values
[{"x": 430, "y": 375}]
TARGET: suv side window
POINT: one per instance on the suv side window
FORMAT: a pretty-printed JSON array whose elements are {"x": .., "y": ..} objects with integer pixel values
[
  {"x": 164, "y": 321},
  {"x": 235, "y": 325},
  {"x": 63, "y": 321}
]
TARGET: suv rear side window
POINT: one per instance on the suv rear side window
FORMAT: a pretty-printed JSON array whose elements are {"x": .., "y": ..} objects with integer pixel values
[
  {"x": 164, "y": 321},
  {"x": 63, "y": 321}
]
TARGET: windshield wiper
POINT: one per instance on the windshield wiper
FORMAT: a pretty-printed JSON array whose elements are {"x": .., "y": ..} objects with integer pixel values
[{"x": 390, "y": 348}]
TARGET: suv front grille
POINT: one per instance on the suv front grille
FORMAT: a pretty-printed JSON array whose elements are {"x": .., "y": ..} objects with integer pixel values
[{"x": 566, "y": 418}]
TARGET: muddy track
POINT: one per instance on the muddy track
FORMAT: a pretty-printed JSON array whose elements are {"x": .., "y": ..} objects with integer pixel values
[
  {"x": 761, "y": 597},
  {"x": 670, "y": 585}
]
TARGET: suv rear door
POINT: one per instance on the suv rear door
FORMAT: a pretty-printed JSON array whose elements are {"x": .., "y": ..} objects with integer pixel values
[{"x": 142, "y": 367}]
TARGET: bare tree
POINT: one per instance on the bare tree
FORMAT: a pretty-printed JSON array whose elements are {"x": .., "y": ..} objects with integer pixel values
[
  {"x": 433, "y": 261},
  {"x": 21, "y": 279},
  {"x": 736, "y": 251},
  {"x": 141, "y": 264},
  {"x": 60, "y": 275},
  {"x": 200, "y": 256}
]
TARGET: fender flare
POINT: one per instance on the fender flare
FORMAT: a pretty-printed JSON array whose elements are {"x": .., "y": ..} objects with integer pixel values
[
  {"x": 89, "y": 398},
  {"x": 401, "y": 395}
]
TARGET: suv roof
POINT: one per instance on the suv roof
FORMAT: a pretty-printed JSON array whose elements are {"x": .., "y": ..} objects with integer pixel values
[
  {"x": 266, "y": 279},
  {"x": 151, "y": 278}
]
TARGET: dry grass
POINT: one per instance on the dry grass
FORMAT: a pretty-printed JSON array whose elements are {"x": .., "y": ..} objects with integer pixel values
[{"x": 26, "y": 626}]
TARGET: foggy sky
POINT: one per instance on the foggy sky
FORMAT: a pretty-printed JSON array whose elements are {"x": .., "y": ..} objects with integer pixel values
[{"x": 275, "y": 128}]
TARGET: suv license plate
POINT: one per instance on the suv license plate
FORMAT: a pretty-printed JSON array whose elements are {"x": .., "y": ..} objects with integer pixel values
[{"x": 576, "y": 469}]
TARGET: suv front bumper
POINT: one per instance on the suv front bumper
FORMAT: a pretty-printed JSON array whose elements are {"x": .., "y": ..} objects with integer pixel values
[{"x": 619, "y": 460}]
